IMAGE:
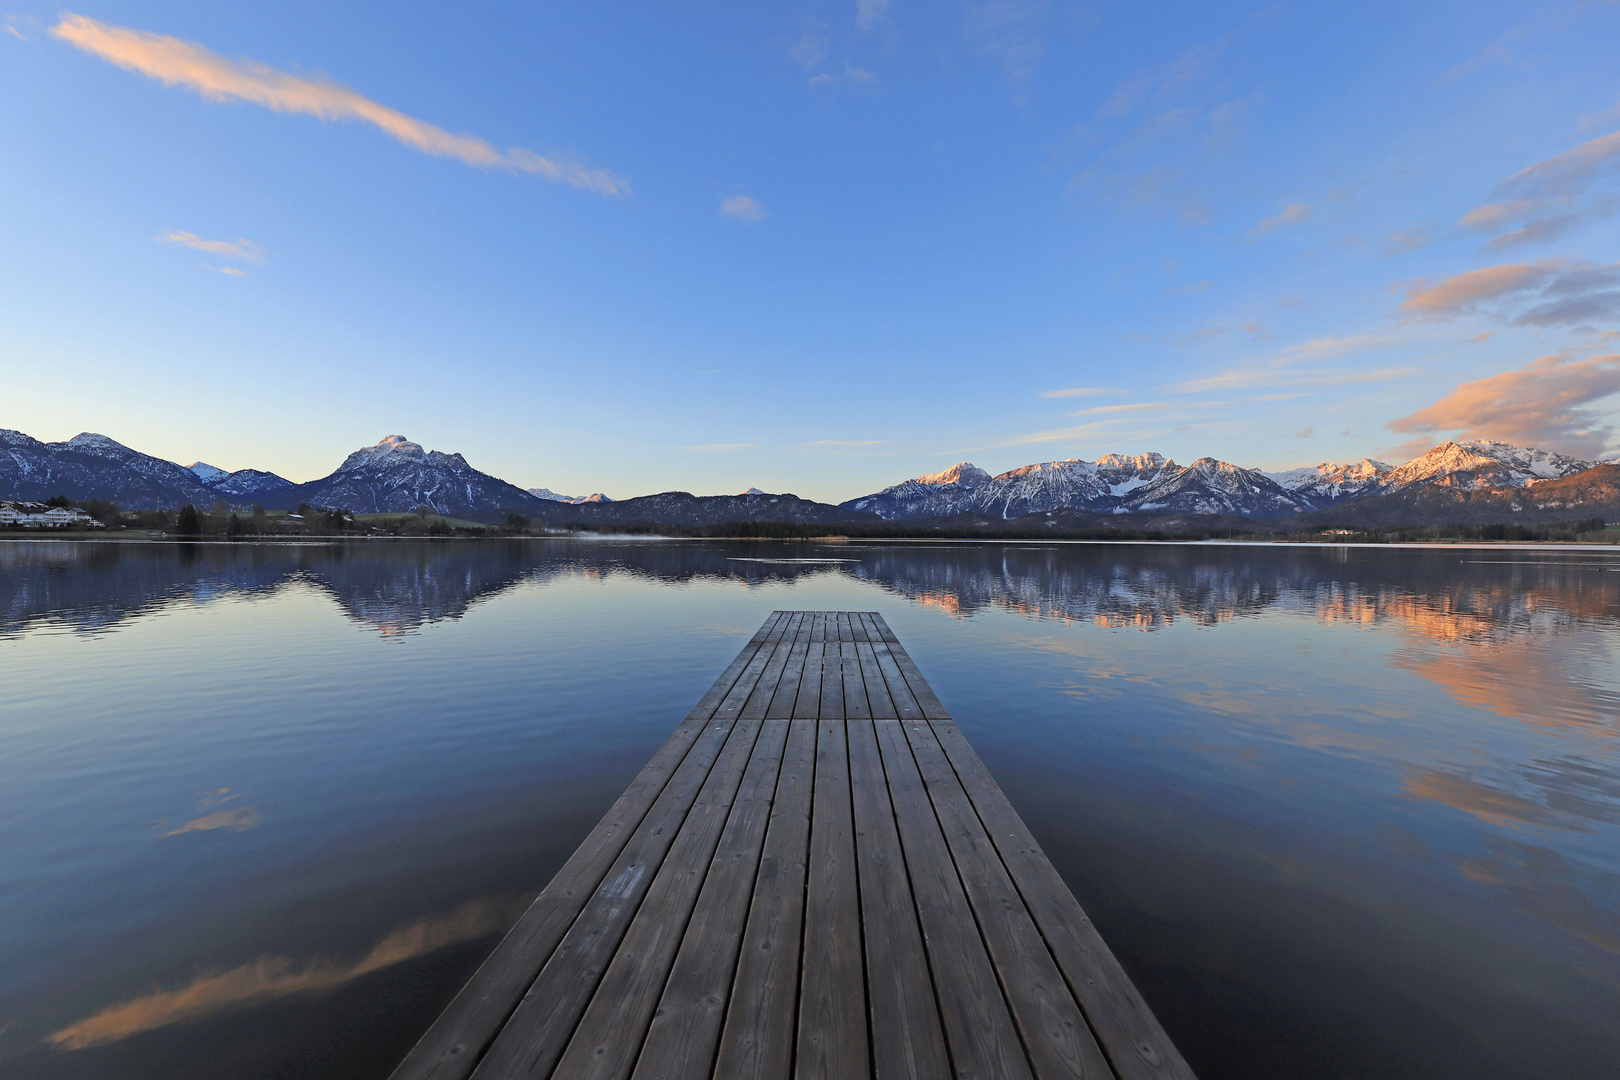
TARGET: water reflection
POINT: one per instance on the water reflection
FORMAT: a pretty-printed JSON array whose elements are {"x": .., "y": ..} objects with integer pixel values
[{"x": 1336, "y": 808}]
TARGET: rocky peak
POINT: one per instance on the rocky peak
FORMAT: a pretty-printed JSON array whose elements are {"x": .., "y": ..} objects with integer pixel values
[{"x": 964, "y": 473}]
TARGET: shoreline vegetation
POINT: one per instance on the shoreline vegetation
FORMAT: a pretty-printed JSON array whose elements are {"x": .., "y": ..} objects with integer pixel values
[{"x": 225, "y": 523}]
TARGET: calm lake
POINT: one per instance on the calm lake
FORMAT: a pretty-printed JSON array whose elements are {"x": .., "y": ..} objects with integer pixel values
[{"x": 1340, "y": 812}]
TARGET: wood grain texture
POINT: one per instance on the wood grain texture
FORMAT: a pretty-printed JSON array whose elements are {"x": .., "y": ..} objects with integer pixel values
[
  {"x": 1059, "y": 1043},
  {"x": 757, "y": 1040},
  {"x": 685, "y": 1029},
  {"x": 1138, "y": 1047},
  {"x": 907, "y": 1042},
  {"x": 540, "y": 1028},
  {"x": 815, "y": 877},
  {"x": 453, "y": 1046},
  {"x": 979, "y": 1029},
  {"x": 832, "y": 1040}
]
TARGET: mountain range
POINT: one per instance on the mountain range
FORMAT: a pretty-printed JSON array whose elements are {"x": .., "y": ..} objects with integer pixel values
[
  {"x": 1451, "y": 482},
  {"x": 1151, "y": 483}
]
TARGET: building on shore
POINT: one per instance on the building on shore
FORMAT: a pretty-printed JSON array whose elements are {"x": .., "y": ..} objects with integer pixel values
[{"x": 32, "y": 515}]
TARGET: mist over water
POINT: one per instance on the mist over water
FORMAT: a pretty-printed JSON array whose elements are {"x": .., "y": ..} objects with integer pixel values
[{"x": 1340, "y": 812}]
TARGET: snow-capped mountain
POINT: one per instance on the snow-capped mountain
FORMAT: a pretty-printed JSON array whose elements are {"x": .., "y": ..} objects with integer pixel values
[
  {"x": 1330, "y": 482},
  {"x": 91, "y": 466},
  {"x": 1481, "y": 463},
  {"x": 244, "y": 485},
  {"x": 1115, "y": 483},
  {"x": 1208, "y": 486},
  {"x": 250, "y": 485},
  {"x": 573, "y": 500},
  {"x": 397, "y": 476}
]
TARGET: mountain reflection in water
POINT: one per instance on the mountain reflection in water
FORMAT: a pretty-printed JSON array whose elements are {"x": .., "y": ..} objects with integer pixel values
[{"x": 1342, "y": 812}]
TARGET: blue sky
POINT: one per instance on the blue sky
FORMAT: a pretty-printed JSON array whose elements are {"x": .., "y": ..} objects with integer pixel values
[{"x": 814, "y": 247}]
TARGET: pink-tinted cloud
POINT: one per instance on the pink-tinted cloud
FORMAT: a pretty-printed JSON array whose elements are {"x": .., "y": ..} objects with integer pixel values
[
  {"x": 1292, "y": 214},
  {"x": 1464, "y": 292},
  {"x": 1547, "y": 403},
  {"x": 230, "y": 249},
  {"x": 743, "y": 208},
  {"x": 1570, "y": 171},
  {"x": 175, "y": 62}
]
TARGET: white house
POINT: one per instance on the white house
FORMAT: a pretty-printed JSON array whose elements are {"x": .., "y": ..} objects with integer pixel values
[{"x": 32, "y": 515}]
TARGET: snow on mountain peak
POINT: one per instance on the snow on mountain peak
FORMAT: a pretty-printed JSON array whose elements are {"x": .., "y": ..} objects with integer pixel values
[
  {"x": 394, "y": 450},
  {"x": 205, "y": 472},
  {"x": 963, "y": 472},
  {"x": 90, "y": 442},
  {"x": 754, "y": 491}
]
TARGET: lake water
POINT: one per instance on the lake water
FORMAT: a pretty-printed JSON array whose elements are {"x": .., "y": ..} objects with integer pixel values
[{"x": 1340, "y": 812}]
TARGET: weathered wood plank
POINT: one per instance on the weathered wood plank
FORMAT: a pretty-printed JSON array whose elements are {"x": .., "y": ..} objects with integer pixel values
[
  {"x": 682, "y": 1038},
  {"x": 787, "y": 691},
  {"x": 1055, "y": 1034},
  {"x": 907, "y": 1042},
  {"x": 978, "y": 1027},
  {"x": 539, "y": 1029},
  {"x": 807, "y": 706},
  {"x": 1138, "y": 1047},
  {"x": 756, "y": 1042},
  {"x": 880, "y": 702},
  {"x": 927, "y": 700},
  {"x": 856, "y": 706},
  {"x": 452, "y": 1047},
  {"x": 832, "y": 677},
  {"x": 832, "y": 1042},
  {"x": 605, "y": 1043}
]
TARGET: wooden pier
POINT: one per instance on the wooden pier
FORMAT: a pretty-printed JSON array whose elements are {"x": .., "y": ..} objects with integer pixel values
[{"x": 814, "y": 877}]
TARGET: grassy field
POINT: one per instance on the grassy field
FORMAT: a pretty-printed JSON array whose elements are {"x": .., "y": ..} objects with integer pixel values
[{"x": 429, "y": 520}]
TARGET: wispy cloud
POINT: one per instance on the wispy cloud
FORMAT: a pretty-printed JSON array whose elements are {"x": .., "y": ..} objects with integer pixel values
[
  {"x": 175, "y": 62},
  {"x": 845, "y": 442},
  {"x": 1463, "y": 293},
  {"x": 1411, "y": 238},
  {"x": 1292, "y": 214},
  {"x": 1084, "y": 391},
  {"x": 1558, "y": 293},
  {"x": 1570, "y": 171},
  {"x": 723, "y": 446},
  {"x": 1545, "y": 403},
  {"x": 228, "y": 249},
  {"x": 868, "y": 13},
  {"x": 1285, "y": 369},
  {"x": 743, "y": 208},
  {"x": 271, "y": 977},
  {"x": 229, "y": 271},
  {"x": 1185, "y": 290},
  {"x": 1149, "y": 407}
]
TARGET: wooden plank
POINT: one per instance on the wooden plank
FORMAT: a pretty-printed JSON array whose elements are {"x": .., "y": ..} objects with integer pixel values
[
  {"x": 1138, "y": 1046},
  {"x": 682, "y": 1038},
  {"x": 978, "y": 1028},
  {"x": 900, "y": 695},
  {"x": 1054, "y": 1031},
  {"x": 907, "y": 1042},
  {"x": 878, "y": 698},
  {"x": 756, "y": 1042},
  {"x": 807, "y": 706},
  {"x": 856, "y": 706},
  {"x": 832, "y": 1043},
  {"x": 570, "y": 975},
  {"x": 539, "y": 1028},
  {"x": 832, "y": 677},
  {"x": 759, "y": 701},
  {"x": 843, "y": 626},
  {"x": 927, "y": 700},
  {"x": 452, "y": 1047},
  {"x": 607, "y": 1039},
  {"x": 787, "y": 691}
]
